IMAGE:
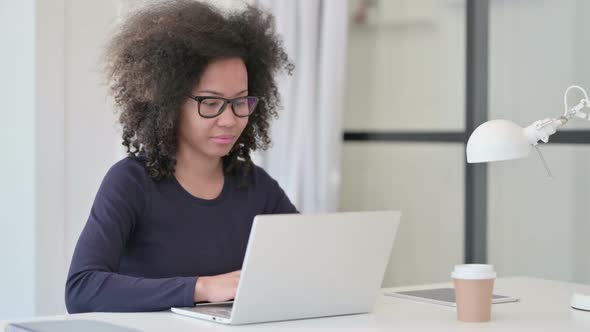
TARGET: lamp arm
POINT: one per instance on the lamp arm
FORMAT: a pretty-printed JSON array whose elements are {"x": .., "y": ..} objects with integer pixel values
[
  {"x": 576, "y": 111},
  {"x": 542, "y": 129}
]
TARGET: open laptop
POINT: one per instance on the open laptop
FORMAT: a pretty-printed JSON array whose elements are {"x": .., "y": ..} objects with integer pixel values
[{"x": 312, "y": 265}]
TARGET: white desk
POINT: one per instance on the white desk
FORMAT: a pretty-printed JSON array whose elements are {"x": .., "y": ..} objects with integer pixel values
[{"x": 544, "y": 306}]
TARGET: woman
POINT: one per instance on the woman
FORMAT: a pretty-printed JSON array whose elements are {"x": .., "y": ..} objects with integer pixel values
[{"x": 170, "y": 223}]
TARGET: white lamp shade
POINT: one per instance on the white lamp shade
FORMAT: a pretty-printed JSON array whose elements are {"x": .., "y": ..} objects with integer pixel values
[{"x": 497, "y": 140}]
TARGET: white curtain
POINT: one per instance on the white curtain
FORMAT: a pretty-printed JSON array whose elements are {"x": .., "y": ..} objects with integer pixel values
[{"x": 307, "y": 137}]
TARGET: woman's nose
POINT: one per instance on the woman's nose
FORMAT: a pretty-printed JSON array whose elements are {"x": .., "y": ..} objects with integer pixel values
[{"x": 227, "y": 118}]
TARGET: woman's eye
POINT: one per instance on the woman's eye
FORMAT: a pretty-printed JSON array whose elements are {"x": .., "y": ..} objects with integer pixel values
[{"x": 212, "y": 103}]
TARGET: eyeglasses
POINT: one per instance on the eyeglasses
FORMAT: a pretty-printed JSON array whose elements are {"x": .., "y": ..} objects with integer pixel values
[{"x": 210, "y": 107}]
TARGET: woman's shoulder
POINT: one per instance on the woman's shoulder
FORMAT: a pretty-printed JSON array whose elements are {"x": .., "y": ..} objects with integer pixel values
[
  {"x": 261, "y": 181},
  {"x": 260, "y": 176},
  {"x": 276, "y": 200},
  {"x": 132, "y": 165},
  {"x": 125, "y": 185},
  {"x": 129, "y": 170}
]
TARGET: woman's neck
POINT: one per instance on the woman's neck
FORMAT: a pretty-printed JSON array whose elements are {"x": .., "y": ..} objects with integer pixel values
[{"x": 194, "y": 166}]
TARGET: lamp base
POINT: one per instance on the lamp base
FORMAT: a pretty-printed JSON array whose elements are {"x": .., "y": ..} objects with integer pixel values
[{"x": 581, "y": 302}]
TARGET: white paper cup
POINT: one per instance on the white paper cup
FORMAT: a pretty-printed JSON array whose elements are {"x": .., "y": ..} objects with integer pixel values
[{"x": 474, "y": 286}]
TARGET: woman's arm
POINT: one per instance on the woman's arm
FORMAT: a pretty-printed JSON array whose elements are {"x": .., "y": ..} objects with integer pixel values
[
  {"x": 93, "y": 283},
  {"x": 111, "y": 292}
]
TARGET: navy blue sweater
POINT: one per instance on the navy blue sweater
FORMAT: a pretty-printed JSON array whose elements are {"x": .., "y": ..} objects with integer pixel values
[{"x": 145, "y": 243}]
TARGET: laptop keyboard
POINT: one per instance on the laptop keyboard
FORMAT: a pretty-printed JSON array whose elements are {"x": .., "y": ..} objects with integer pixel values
[{"x": 221, "y": 310}]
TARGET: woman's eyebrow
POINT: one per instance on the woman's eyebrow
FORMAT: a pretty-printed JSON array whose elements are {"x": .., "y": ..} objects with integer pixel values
[{"x": 221, "y": 94}]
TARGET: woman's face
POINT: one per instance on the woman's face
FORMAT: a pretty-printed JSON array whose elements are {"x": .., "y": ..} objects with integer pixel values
[{"x": 214, "y": 137}]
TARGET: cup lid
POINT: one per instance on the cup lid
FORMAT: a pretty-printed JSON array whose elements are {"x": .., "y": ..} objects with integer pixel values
[{"x": 474, "y": 271}]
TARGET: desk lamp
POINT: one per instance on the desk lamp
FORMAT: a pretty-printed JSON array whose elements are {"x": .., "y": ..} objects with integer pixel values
[{"x": 498, "y": 140}]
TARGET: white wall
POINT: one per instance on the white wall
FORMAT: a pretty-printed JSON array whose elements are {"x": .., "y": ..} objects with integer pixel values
[
  {"x": 18, "y": 161},
  {"x": 57, "y": 140},
  {"x": 539, "y": 227},
  {"x": 92, "y": 141},
  {"x": 406, "y": 68},
  {"x": 406, "y": 72},
  {"x": 383, "y": 176},
  {"x": 408, "y": 75},
  {"x": 49, "y": 148}
]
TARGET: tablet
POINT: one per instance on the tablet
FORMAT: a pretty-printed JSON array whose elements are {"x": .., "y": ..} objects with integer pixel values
[{"x": 442, "y": 296}]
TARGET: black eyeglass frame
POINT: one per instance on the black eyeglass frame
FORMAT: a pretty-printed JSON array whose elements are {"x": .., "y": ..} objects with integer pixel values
[{"x": 226, "y": 101}]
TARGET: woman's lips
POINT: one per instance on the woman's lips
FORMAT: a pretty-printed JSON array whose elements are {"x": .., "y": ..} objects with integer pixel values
[{"x": 223, "y": 139}]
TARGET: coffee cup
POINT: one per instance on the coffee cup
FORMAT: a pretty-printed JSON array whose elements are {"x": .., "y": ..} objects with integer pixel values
[{"x": 474, "y": 285}]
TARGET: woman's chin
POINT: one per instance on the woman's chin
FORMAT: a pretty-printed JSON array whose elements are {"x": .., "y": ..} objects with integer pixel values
[{"x": 219, "y": 152}]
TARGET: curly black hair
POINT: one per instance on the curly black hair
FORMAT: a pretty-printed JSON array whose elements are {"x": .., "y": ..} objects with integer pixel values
[{"x": 158, "y": 54}]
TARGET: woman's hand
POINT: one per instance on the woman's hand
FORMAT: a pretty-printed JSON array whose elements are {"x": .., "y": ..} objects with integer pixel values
[{"x": 219, "y": 288}]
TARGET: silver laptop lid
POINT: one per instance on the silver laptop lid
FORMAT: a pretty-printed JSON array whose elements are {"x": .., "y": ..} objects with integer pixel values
[{"x": 314, "y": 265}]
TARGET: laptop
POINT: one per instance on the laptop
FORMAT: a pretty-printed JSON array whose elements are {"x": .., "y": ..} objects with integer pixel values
[{"x": 308, "y": 265}]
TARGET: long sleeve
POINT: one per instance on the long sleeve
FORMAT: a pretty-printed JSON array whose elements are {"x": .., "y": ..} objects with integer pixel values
[{"x": 93, "y": 282}]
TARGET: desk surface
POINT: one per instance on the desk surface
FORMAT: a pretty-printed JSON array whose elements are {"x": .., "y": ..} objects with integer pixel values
[{"x": 544, "y": 306}]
